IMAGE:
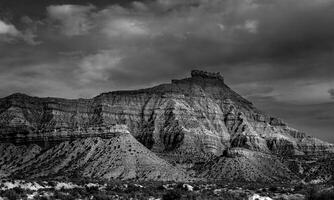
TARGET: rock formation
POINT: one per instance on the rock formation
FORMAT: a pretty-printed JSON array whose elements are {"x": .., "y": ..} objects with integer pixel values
[
  {"x": 120, "y": 156},
  {"x": 240, "y": 164},
  {"x": 186, "y": 121}
]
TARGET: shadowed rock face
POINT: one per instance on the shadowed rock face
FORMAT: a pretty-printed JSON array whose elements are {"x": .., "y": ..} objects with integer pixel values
[{"x": 191, "y": 118}]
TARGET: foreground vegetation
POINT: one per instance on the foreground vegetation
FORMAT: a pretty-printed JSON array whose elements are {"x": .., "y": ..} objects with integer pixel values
[{"x": 100, "y": 190}]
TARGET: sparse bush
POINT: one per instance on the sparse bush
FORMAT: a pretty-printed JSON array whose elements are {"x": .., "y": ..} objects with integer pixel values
[
  {"x": 192, "y": 196},
  {"x": 101, "y": 196},
  {"x": 299, "y": 187},
  {"x": 10, "y": 194},
  {"x": 179, "y": 186},
  {"x": 315, "y": 194},
  {"x": 115, "y": 188},
  {"x": 92, "y": 190},
  {"x": 132, "y": 188},
  {"x": 161, "y": 187},
  {"x": 273, "y": 189},
  {"x": 19, "y": 190},
  {"x": 172, "y": 195},
  {"x": 63, "y": 196},
  {"x": 52, "y": 183},
  {"x": 41, "y": 198},
  {"x": 77, "y": 192}
]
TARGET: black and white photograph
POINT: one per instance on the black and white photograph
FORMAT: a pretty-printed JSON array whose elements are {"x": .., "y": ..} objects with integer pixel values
[{"x": 167, "y": 99}]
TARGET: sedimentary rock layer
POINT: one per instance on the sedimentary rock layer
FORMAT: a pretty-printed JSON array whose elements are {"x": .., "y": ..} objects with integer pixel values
[{"x": 191, "y": 117}]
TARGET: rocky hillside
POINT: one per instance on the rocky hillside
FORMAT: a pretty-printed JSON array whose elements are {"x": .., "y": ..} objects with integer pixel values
[
  {"x": 200, "y": 112},
  {"x": 244, "y": 165},
  {"x": 118, "y": 157},
  {"x": 187, "y": 121}
]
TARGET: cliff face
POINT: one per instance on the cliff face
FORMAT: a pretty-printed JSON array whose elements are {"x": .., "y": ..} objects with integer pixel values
[{"x": 190, "y": 117}]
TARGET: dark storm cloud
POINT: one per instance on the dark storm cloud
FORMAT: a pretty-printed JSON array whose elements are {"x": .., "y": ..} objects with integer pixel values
[
  {"x": 249, "y": 41},
  {"x": 15, "y": 9},
  {"x": 295, "y": 39},
  {"x": 277, "y": 53}
]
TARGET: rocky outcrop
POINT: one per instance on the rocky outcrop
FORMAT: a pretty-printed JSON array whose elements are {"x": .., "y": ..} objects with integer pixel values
[
  {"x": 192, "y": 118},
  {"x": 239, "y": 164},
  {"x": 281, "y": 146},
  {"x": 206, "y": 75},
  {"x": 251, "y": 142}
]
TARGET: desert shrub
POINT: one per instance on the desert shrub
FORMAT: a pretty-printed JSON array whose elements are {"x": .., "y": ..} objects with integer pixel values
[
  {"x": 52, "y": 183},
  {"x": 19, "y": 190},
  {"x": 77, "y": 192},
  {"x": 179, "y": 186},
  {"x": 312, "y": 192},
  {"x": 273, "y": 189},
  {"x": 150, "y": 191},
  {"x": 92, "y": 190},
  {"x": 299, "y": 187},
  {"x": 114, "y": 188},
  {"x": 63, "y": 196},
  {"x": 132, "y": 188},
  {"x": 10, "y": 194},
  {"x": 196, "y": 188},
  {"x": 172, "y": 195},
  {"x": 315, "y": 194},
  {"x": 251, "y": 187},
  {"x": 192, "y": 196},
  {"x": 40, "y": 198},
  {"x": 101, "y": 196},
  {"x": 160, "y": 187}
]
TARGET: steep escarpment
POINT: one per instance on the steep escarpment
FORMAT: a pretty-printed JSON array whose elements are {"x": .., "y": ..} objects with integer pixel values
[
  {"x": 198, "y": 122},
  {"x": 193, "y": 116}
]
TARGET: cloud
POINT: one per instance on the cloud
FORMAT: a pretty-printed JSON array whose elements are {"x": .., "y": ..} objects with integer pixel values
[
  {"x": 8, "y": 29},
  {"x": 251, "y": 26},
  {"x": 124, "y": 28},
  {"x": 73, "y": 19},
  {"x": 251, "y": 42},
  {"x": 94, "y": 68},
  {"x": 331, "y": 93},
  {"x": 9, "y": 33}
]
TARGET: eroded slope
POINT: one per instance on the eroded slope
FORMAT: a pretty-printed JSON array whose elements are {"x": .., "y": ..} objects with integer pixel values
[{"x": 120, "y": 157}]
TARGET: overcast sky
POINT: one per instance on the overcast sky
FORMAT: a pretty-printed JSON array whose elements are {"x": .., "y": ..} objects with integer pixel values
[{"x": 277, "y": 53}]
